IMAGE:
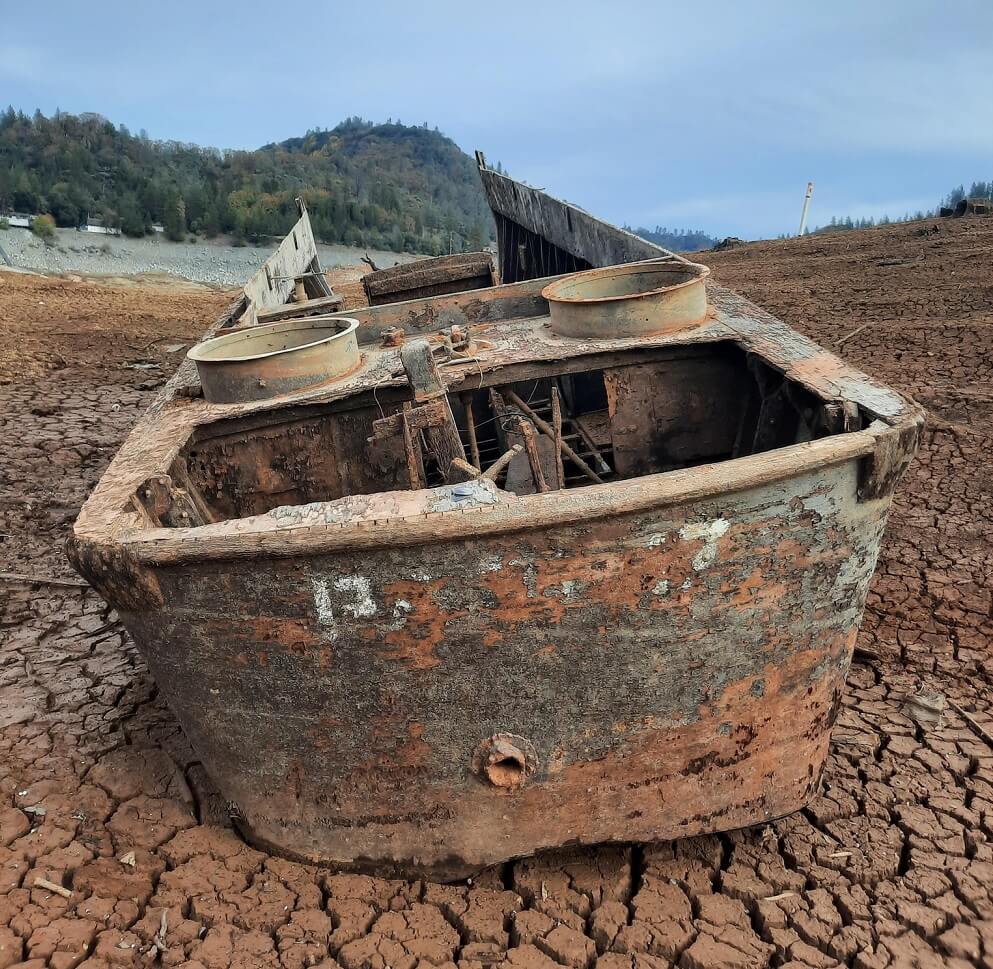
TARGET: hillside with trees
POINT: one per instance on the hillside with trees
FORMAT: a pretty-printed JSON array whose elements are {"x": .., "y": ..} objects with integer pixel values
[
  {"x": 676, "y": 240},
  {"x": 978, "y": 189},
  {"x": 389, "y": 186}
]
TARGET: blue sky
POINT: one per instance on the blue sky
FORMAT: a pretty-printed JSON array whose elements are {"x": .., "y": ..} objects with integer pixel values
[{"x": 709, "y": 116}]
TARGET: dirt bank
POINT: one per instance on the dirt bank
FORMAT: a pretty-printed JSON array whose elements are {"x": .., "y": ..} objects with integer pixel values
[{"x": 891, "y": 866}]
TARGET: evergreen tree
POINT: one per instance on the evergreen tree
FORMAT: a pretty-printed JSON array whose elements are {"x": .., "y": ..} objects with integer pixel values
[{"x": 174, "y": 219}]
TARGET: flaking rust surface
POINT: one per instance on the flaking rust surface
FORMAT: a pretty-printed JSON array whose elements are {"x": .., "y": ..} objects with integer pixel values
[
  {"x": 671, "y": 670},
  {"x": 890, "y": 866}
]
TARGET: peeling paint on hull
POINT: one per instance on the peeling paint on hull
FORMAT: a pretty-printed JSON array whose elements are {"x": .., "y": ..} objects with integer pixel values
[{"x": 652, "y": 717}]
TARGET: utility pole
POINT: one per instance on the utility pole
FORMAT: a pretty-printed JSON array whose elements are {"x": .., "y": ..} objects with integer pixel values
[{"x": 806, "y": 203}]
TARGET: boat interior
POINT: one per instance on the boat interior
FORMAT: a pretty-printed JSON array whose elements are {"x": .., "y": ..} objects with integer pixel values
[{"x": 529, "y": 427}]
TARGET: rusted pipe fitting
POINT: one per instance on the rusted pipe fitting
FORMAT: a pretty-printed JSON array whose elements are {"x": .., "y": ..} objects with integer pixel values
[
  {"x": 505, "y": 761},
  {"x": 393, "y": 337}
]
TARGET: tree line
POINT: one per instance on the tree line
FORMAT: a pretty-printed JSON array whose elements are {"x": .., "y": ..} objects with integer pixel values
[
  {"x": 677, "y": 240},
  {"x": 389, "y": 186},
  {"x": 978, "y": 189}
]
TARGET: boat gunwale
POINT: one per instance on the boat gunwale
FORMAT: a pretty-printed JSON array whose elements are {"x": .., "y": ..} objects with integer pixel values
[{"x": 708, "y": 482}]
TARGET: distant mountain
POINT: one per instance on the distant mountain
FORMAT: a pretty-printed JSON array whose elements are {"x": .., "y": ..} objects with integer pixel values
[{"x": 389, "y": 186}]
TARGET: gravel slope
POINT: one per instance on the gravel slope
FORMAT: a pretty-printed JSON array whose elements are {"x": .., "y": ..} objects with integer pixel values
[{"x": 214, "y": 262}]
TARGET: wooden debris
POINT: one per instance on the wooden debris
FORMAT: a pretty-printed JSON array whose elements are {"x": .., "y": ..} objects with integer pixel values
[
  {"x": 470, "y": 426},
  {"x": 547, "y": 430},
  {"x": 43, "y": 580},
  {"x": 460, "y": 470},
  {"x": 52, "y": 887},
  {"x": 501, "y": 462},
  {"x": 160, "y": 936},
  {"x": 433, "y": 413},
  {"x": 973, "y": 722},
  {"x": 526, "y": 430},
  {"x": 584, "y": 432},
  {"x": 415, "y": 463},
  {"x": 854, "y": 332},
  {"x": 557, "y": 434},
  {"x": 427, "y": 385},
  {"x": 305, "y": 307},
  {"x": 925, "y": 707}
]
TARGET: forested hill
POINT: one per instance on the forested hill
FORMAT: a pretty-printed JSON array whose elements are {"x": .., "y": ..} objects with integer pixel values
[{"x": 389, "y": 186}]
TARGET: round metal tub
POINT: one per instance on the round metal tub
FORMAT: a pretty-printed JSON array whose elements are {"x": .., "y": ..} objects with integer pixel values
[
  {"x": 276, "y": 359},
  {"x": 631, "y": 300}
]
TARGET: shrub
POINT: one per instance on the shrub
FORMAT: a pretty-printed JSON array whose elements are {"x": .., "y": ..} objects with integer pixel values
[
  {"x": 4, "y": 225},
  {"x": 43, "y": 226},
  {"x": 106, "y": 249}
]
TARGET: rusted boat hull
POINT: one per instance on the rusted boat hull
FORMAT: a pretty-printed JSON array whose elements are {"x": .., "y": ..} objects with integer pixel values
[
  {"x": 389, "y": 667},
  {"x": 663, "y": 673}
]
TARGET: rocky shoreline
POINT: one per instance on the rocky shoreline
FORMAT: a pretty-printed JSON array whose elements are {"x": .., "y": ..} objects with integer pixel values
[{"x": 216, "y": 262}]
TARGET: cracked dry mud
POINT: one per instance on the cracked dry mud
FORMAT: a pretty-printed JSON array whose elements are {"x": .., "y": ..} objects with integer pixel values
[{"x": 892, "y": 865}]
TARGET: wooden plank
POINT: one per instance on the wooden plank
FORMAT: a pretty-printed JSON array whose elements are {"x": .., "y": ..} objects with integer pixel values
[
  {"x": 470, "y": 426},
  {"x": 430, "y": 315},
  {"x": 557, "y": 430},
  {"x": 563, "y": 225},
  {"x": 501, "y": 462},
  {"x": 412, "y": 453},
  {"x": 461, "y": 471},
  {"x": 426, "y": 385},
  {"x": 546, "y": 429},
  {"x": 272, "y": 284},
  {"x": 310, "y": 307}
]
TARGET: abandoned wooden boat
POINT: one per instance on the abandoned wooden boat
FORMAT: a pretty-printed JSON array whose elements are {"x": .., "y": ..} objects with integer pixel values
[{"x": 496, "y": 588}]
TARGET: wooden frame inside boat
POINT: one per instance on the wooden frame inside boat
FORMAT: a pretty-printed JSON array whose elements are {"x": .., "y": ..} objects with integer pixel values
[{"x": 389, "y": 666}]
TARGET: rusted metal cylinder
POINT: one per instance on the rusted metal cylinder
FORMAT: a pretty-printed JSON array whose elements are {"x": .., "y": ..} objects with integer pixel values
[
  {"x": 637, "y": 299},
  {"x": 279, "y": 358}
]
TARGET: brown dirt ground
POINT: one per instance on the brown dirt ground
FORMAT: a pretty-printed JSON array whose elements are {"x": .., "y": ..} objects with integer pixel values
[{"x": 892, "y": 865}]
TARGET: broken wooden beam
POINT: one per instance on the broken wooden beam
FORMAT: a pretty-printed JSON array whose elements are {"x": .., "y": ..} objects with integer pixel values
[
  {"x": 459, "y": 471},
  {"x": 427, "y": 385},
  {"x": 526, "y": 430},
  {"x": 306, "y": 307},
  {"x": 557, "y": 429},
  {"x": 20, "y": 577},
  {"x": 501, "y": 462},
  {"x": 470, "y": 426},
  {"x": 547, "y": 430}
]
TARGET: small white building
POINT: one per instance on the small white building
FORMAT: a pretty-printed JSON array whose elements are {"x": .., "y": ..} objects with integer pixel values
[
  {"x": 18, "y": 220},
  {"x": 96, "y": 225}
]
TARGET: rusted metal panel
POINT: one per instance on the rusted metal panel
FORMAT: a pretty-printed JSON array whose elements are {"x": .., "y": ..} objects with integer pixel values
[
  {"x": 668, "y": 417},
  {"x": 673, "y": 671}
]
